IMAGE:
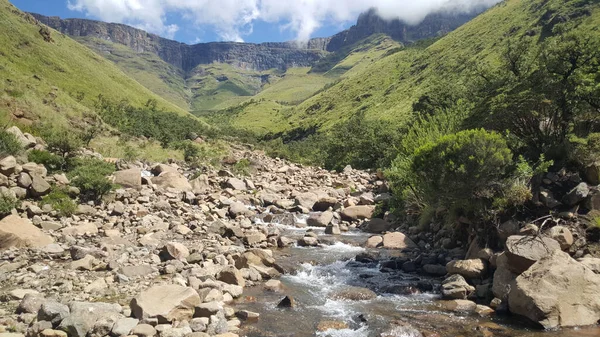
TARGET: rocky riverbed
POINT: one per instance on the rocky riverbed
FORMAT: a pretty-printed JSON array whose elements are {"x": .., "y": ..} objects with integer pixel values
[{"x": 287, "y": 250}]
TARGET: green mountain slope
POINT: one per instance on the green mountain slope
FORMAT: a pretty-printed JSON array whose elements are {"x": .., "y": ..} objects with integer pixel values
[
  {"x": 387, "y": 88},
  {"x": 47, "y": 75}
]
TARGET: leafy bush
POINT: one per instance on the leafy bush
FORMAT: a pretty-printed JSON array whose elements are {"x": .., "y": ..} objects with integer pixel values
[
  {"x": 586, "y": 150},
  {"x": 51, "y": 161},
  {"x": 7, "y": 204},
  {"x": 462, "y": 168},
  {"x": 9, "y": 144},
  {"x": 60, "y": 201},
  {"x": 89, "y": 175},
  {"x": 63, "y": 142},
  {"x": 242, "y": 167}
]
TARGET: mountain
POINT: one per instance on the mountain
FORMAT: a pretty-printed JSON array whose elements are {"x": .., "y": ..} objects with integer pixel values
[
  {"x": 47, "y": 76},
  {"x": 209, "y": 77}
]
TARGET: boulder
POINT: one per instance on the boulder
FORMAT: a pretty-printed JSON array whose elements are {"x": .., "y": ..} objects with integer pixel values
[
  {"x": 307, "y": 200},
  {"x": 39, "y": 187},
  {"x": 376, "y": 226},
  {"x": 503, "y": 277},
  {"x": 459, "y": 305},
  {"x": 172, "y": 180},
  {"x": 84, "y": 316},
  {"x": 176, "y": 251},
  {"x": 320, "y": 219},
  {"x": 124, "y": 326},
  {"x": 523, "y": 251},
  {"x": 53, "y": 312},
  {"x": 576, "y": 195},
  {"x": 8, "y": 165},
  {"x": 333, "y": 229},
  {"x": 354, "y": 213},
  {"x": 374, "y": 241},
  {"x": 20, "y": 233},
  {"x": 474, "y": 268},
  {"x": 26, "y": 142},
  {"x": 435, "y": 269},
  {"x": 131, "y": 178},
  {"x": 200, "y": 185},
  {"x": 591, "y": 262},
  {"x": 557, "y": 291},
  {"x": 456, "y": 287},
  {"x": 562, "y": 235},
  {"x": 166, "y": 303},
  {"x": 354, "y": 294},
  {"x": 163, "y": 168},
  {"x": 323, "y": 204},
  {"x": 397, "y": 240},
  {"x": 231, "y": 275},
  {"x": 237, "y": 208},
  {"x": 236, "y": 184}
]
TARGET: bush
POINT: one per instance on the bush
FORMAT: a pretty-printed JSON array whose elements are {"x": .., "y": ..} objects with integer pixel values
[
  {"x": 60, "y": 201},
  {"x": 51, "y": 161},
  {"x": 9, "y": 144},
  {"x": 7, "y": 204},
  {"x": 89, "y": 175},
  {"x": 63, "y": 142},
  {"x": 461, "y": 169},
  {"x": 242, "y": 167}
]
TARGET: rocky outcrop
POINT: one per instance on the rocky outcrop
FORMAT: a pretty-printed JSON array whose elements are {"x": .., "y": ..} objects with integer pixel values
[{"x": 557, "y": 291}]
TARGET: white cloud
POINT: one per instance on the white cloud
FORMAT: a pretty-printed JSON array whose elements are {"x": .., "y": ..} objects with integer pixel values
[{"x": 232, "y": 19}]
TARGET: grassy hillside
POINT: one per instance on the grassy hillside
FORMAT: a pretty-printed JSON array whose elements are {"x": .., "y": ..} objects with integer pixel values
[
  {"x": 48, "y": 76},
  {"x": 386, "y": 86}
]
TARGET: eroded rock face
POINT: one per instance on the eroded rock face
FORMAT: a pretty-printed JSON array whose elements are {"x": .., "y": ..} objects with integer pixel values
[
  {"x": 167, "y": 303},
  {"x": 557, "y": 291},
  {"x": 523, "y": 251}
]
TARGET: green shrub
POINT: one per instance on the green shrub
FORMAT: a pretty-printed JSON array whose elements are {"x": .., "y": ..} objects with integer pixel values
[
  {"x": 9, "y": 144},
  {"x": 7, "y": 204},
  {"x": 586, "y": 151},
  {"x": 242, "y": 167},
  {"x": 90, "y": 176},
  {"x": 462, "y": 168},
  {"x": 63, "y": 142},
  {"x": 60, "y": 201},
  {"x": 51, "y": 161}
]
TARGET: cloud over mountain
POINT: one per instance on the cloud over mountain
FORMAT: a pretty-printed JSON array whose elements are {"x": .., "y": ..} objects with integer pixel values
[{"x": 232, "y": 19}]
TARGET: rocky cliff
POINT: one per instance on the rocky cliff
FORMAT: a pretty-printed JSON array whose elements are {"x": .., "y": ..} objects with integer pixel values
[
  {"x": 258, "y": 57},
  {"x": 187, "y": 57}
]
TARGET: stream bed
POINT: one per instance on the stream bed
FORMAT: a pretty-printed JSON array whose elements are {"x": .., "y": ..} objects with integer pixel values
[{"x": 323, "y": 271}]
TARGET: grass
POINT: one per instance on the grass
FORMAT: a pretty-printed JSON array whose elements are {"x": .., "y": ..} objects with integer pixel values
[
  {"x": 116, "y": 147},
  {"x": 57, "y": 80}
]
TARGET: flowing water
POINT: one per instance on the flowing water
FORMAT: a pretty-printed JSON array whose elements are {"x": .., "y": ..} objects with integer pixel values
[{"x": 322, "y": 271}]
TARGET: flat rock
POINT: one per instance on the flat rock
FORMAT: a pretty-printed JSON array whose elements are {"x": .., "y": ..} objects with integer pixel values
[
  {"x": 354, "y": 213},
  {"x": 320, "y": 219},
  {"x": 397, "y": 240},
  {"x": 21, "y": 233},
  {"x": 473, "y": 268},
  {"x": 131, "y": 178},
  {"x": 523, "y": 251},
  {"x": 166, "y": 303}
]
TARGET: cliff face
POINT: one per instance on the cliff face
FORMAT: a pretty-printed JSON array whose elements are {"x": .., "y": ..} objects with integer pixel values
[
  {"x": 187, "y": 57},
  {"x": 370, "y": 23},
  {"x": 257, "y": 57}
]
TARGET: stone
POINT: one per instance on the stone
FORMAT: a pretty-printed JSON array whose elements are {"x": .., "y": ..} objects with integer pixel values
[
  {"x": 21, "y": 233},
  {"x": 124, "y": 326},
  {"x": 435, "y": 269},
  {"x": 8, "y": 165},
  {"x": 53, "y": 312},
  {"x": 376, "y": 225},
  {"x": 137, "y": 270},
  {"x": 459, "y": 305},
  {"x": 273, "y": 285},
  {"x": 84, "y": 316},
  {"x": 354, "y": 213},
  {"x": 86, "y": 263},
  {"x": 503, "y": 277},
  {"x": 231, "y": 275},
  {"x": 323, "y": 204},
  {"x": 484, "y": 311},
  {"x": 131, "y": 178},
  {"x": 172, "y": 180},
  {"x": 474, "y": 268},
  {"x": 374, "y": 241},
  {"x": 562, "y": 235},
  {"x": 397, "y": 240},
  {"x": 557, "y": 291},
  {"x": 53, "y": 333},
  {"x": 576, "y": 195},
  {"x": 143, "y": 330},
  {"x": 320, "y": 219},
  {"x": 592, "y": 263},
  {"x": 39, "y": 187},
  {"x": 31, "y": 304},
  {"x": 86, "y": 228},
  {"x": 237, "y": 208},
  {"x": 404, "y": 330},
  {"x": 287, "y": 302},
  {"x": 333, "y": 229},
  {"x": 208, "y": 309},
  {"x": 176, "y": 251},
  {"x": 307, "y": 200},
  {"x": 523, "y": 251},
  {"x": 508, "y": 228},
  {"x": 236, "y": 184},
  {"x": 354, "y": 294},
  {"x": 456, "y": 287},
  {"x": 331, "y": 325},
  {"x": 308, "y": 241},
  {"x": 26, "y": 142},
  {"x": 85, "y": 210},
  {"x": 247, "y": 315},
  {"x": 24, "y": 180},
  {"x": 200, "y": 185},
  {"x": 163, "y": 168},
  {"x": 166, "y": 303}
]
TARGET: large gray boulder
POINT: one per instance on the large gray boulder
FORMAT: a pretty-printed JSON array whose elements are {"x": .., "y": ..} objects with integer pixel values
[
  {"x": 39, "y": 186},
  {"x": 26, "y": 140},
  {"x": 473, "y": 268},
  {"x": 455, "y": 287},
  {"x": 173, "y": 180},
  {"x": 236, "y": 184},
  {"x": 376, "y": 225},
  {"x": 503, "y": 278},
  {"x": 523, "y": 251},
  {"x": 397, "y": 240},
  {"x": 166, "y": 303},
  {"x": 307, "y": 200},
  {"x": 8, "y": 165},
  {"x": 131, "y": 178},
  {"x": 354, "y": 213},
  {"x": 557, "y": 291},
  {"x": 320, "y": 219},
  {"x": 200, "y": 185},
  {"x": 84, "y": 316}
]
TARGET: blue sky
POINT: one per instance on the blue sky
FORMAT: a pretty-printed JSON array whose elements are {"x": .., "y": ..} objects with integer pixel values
[
  {"x": 188, "y": 33},
  {"x": 256, "y": 21}
]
